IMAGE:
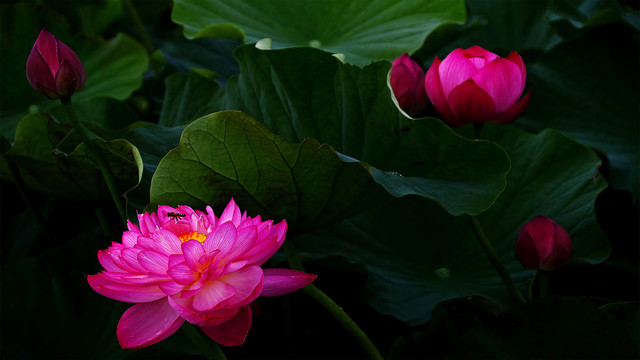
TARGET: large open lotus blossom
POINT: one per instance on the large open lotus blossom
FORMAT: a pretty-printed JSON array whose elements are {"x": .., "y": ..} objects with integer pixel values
[
  {"x": 183, "y": 264},
  {"x": 476, "y": 85}
]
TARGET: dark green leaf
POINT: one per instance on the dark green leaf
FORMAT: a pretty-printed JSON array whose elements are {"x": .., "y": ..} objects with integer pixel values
[
  {"x": 418, "y": 255},
  {"x": 228, "y": 154},
  {"x": 363, "y": 30},
  {"x": 188, "y": 97}
]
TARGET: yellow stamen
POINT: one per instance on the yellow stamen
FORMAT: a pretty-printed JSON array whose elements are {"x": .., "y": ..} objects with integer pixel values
[{"x": 194, "y": 235}]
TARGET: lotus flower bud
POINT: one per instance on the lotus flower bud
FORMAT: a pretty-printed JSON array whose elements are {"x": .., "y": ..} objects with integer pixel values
[
  {"x": 543, "y": 244},
  {"x": 407, "y": 82},
  {"x": 53, "y": 68},
  {"x": 476, "y": 86}
]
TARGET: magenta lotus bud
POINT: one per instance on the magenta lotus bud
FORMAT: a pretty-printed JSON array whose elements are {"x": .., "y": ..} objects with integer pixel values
[
  {"x": 476, "y": 86},
  {"x": 53, "y": 68},
  {"x": 407, "y": 82},
  {"x": 543, "y": 244}
]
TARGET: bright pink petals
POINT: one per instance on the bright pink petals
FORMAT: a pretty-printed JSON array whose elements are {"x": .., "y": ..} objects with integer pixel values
[
  {"x": 186, "y": 264},
  {"x": 146, "y": 324},
  {"x": 543, "y": 244},
  {"x": 53, "y": 68},
  {"x": 283, "y": 281},
  {"x": 406, "y": 80},
  {"x": 232, "y": 332},
  {"x": 476, "y": 85}
]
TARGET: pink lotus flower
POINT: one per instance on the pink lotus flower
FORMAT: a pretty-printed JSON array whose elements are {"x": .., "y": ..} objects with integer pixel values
[
  {"x": 476, "y": 85},
  {"x": 543, "y": 244},
  {"x": 407, "y": 82},
  {"x": 181, "y": 264},
  {"x": 53, "y": 68}
]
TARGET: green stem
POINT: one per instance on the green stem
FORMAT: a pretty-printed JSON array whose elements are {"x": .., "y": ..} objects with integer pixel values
[
  {"x": 544, "y": 282},
  {"x": 488, "y": 249},
  {"x": 477, "y": 130},
  {"x": 345, "y": 320},
  {"x": 96, "y": 155},
  {"x": 210, "y": 349}
]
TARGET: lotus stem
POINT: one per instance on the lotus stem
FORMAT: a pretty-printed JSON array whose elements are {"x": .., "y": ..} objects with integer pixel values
[
  {"x": 493, "y": 258},
  {"x": 338, "y": 312},
  {"x": 96, "y": 155}
]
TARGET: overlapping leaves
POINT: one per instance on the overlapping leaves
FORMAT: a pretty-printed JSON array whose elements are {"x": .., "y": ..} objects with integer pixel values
[{"x": 418, "y": 255}]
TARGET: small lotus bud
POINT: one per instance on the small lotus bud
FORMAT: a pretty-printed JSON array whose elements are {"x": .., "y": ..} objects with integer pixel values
[{"x": 53, "y": 68}]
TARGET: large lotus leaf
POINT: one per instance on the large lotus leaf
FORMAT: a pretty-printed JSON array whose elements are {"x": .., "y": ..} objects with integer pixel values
[
  {"x": 351, "y": 109},
  {"x": 114, "y": 67},
  {"x": 73, "y": 175},
  {"x": 600, "y": 111},
  {"x": 418, "y": 255},
  {"x": 228, "y": 154},
  {"x": 363, "y": 30}
]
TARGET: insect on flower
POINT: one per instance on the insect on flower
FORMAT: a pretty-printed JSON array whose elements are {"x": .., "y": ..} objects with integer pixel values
[{"x": 175, "y": 216}]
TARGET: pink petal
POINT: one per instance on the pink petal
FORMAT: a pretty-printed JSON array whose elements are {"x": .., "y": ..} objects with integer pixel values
[
  {"x": 154, "y": 262},
  {"x": 526, "y": 251},
  {"x": 247, "y": 282},
  {"x": 434, "y": 91},
  {"x": 38, "y": 71},
  {"x": 470, "y": 104},
  {"x": 65, "y": 53},
  {"x": 516, "y": 59},
  {"x": 283, "y": 281},
  {"x": 212, "y": 294},
  {"x": 105, "y": 259},
  {"x": 130, "y": 238},
  {"x": 127, "y": 292},
  {"x": 193, "y": 250},
  {"x": 557, "y": 259},
  {"x": 184, "y": 307},
  {"x": 67, "y": 79},
  {"x": 478, "y": 51},
  {"x": 454, "y": 70},
  {"x": 514, "y": 112},
  {"x": 231, "y": 213},
  {"x": 182, "y": 274},
  {"x": 130, "y": 256},
  {"x": 246, "y": 238},
  {"x": 502, "y": 80},
  {"x": 48, "y": 47},
  {"x": 162, "y": 241},
  {"x": 146, "y": 324},
  {"x": 232, "y": 332},
  {"x": 223, "y": 238}
]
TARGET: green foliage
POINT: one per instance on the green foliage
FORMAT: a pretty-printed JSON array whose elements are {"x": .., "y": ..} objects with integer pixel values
[
  {"x": 362, "y": 30},
  {"x": 301, "y": 134}
]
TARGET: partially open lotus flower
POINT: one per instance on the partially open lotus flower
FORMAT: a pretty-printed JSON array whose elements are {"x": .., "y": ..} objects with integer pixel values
[
  {"x": 183, "y": 264},
  {"x": 476, "y": 86},
  {"x": 53, "y": 68}
]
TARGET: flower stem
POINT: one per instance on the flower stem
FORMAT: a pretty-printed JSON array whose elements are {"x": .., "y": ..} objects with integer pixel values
[
  {"x": 488, "y": 249},
  {"x": 210, "y": 349},
  {"x": 544, "y": 282},
  {"x": 96, "y": 155},
  {"x": 345, "y": 320}
]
